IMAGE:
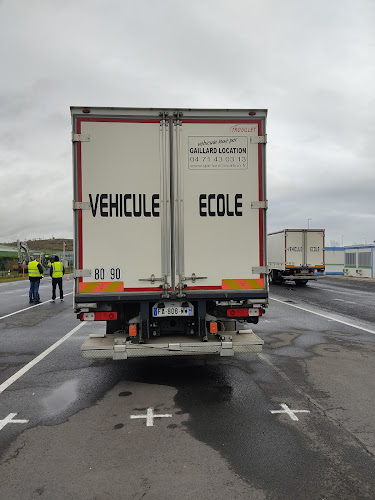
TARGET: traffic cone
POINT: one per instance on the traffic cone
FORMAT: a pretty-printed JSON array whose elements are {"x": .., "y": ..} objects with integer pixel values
[{"x": 67, "y": 278}]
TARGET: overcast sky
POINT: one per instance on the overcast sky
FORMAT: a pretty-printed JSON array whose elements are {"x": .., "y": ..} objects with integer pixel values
[{"x": 311, "y": 64}]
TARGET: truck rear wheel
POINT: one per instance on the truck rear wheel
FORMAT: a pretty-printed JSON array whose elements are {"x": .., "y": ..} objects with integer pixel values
[
  {"x": 275, "y": 277},
  {"x": 300, "y": 282}
]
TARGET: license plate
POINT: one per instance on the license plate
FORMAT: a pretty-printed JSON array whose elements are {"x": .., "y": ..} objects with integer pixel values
[{"x": 160, "y": 312}]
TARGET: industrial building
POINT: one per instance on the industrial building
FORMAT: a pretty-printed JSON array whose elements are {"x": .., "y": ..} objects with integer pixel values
[{"x": 353, "y": 260}]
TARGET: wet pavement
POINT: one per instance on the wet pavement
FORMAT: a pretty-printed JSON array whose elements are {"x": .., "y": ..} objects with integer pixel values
[{"x": 222, "y": 441}]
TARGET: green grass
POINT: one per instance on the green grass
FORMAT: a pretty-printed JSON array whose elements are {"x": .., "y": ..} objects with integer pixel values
[
  {"x": 15, "y": 276},
  {"x": 12, "y": 277}
]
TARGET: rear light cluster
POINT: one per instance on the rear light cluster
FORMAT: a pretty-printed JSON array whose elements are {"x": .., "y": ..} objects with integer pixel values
[
  {"x": 241, "y": 312},
  {"x": 98, "y": 316}
]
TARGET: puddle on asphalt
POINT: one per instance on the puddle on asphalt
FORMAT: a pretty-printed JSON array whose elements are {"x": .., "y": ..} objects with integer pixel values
[
  {"x": 62, "y": 397},
  {"x": 283, "y": 339},
  {"x": 347, "y": 334}
]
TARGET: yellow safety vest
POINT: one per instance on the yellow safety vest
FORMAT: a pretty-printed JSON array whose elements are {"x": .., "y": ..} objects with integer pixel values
[
  {"x": 33, "y": 269},
  {"x": 57, "y": 270}
]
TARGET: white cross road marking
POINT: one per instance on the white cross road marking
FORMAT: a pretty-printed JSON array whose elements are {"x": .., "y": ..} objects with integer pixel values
[
  {"x": 290, "y": 412},
  {"x": 9, "y": 420},
  {"x": 150, "y": 417}
]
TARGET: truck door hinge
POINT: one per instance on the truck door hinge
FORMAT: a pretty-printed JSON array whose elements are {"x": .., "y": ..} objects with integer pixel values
[
  {"x": 81, "y": 205},
  {"x": 260, "y": 204},
  {"x": 260, "y": 270},
  {"x": 258, "y": 139},
  {"x": 82, "y": 273},
  {"x": 80, "y": 137}
]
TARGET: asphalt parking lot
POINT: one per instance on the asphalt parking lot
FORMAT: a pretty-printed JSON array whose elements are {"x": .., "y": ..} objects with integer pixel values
[{"x": 295, "y": 421}]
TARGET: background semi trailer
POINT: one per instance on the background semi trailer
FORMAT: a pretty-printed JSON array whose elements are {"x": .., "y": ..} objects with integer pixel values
[
  {"x": 296, "y": 255},
  {"x": 170, "y": 229}
]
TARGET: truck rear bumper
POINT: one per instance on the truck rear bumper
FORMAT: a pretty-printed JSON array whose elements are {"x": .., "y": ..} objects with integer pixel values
[
  {"x": 302, "y": 277},
  {"x": 188, "y": 295},
  {"x": 117, "y": 347}
]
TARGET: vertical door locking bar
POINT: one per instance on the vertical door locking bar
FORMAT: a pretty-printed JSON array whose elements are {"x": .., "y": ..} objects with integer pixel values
[
  {"x": 179, "y": 230},
  {"x": 179, "y": 204},
  {"x": 165, "y": 200}
]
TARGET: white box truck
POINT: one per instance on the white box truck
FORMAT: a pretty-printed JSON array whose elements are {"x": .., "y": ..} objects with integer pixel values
[
  {"x": 169, "y": 229},
  {"x": 296, "y": 255}
]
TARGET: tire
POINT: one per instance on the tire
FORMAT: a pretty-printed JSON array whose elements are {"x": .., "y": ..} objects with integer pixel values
[
  {"x": 275, "y": 278},
  {"x": 300, "y": 282}
]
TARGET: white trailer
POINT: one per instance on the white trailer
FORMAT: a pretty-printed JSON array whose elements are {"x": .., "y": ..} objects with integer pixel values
[
  {"x": 296, "y": 255},
  {"x": 170, "y": 229}
]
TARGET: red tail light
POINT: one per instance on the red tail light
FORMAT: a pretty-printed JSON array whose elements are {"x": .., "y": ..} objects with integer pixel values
[
  {"x": 241, "y": 312},
  {"x": 237, "y": 312},
  {"x": 98, "y": 316}
]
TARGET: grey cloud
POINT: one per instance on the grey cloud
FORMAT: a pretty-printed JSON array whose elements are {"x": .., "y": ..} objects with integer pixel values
[{"x": 313, "y": 71}]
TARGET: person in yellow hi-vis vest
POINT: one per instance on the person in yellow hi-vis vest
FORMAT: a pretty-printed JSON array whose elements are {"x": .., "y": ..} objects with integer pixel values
[
  {"x": 57, "y": 271},
  {"x": 35, "y": 270}
]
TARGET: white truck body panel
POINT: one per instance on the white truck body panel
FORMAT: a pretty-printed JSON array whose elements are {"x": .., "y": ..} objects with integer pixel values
[
  {"x": 315, "y": 253},
  {"x": 114, "y": 241},
  {"x": 207, "y": 242},
  {"x": 276, "y": 250},
  {"x": 169, "y": 204},
  {"x": 123, "y": 157}
]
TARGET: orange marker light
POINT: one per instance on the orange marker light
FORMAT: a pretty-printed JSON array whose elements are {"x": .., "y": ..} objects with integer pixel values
[
  {"x": 132, "y": 330},
  {"x": 213, "y": 327}
]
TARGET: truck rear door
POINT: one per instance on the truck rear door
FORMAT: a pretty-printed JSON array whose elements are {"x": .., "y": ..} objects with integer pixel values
[
  {"x": 294, "y": 248},
  {"x": 219, "y": 203},
  {"x": 123, "y": 224},
  {"x": 315, "y": 248}
]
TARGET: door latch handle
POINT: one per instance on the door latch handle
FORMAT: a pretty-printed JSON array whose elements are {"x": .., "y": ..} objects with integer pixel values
[
  {"x": 193, "y": 278},
  {"x": 152, "y": 279}
]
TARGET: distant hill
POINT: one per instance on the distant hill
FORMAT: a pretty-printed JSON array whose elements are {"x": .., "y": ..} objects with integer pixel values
[{"x": 46, "y": 246}]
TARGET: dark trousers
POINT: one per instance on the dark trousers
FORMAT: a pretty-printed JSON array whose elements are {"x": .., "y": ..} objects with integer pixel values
[{"x": 55, "y": 282}]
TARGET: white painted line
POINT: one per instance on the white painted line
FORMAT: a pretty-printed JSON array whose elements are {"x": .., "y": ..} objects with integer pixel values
[
  {"x": 335, "y": 291},
  {"x": 349, "y": 292},
  {"x": 36, "y": 360},
  {"x": 325, "y": 316},
  {"x": 9, "y": 420},
  {"x": 27, "y": 308},
  {"x": 346, "y": 301},
  {"x": 150, "y": 417},
  {"x": 290, "y": 412}
]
